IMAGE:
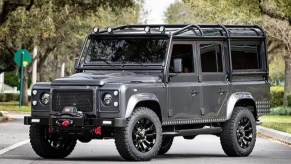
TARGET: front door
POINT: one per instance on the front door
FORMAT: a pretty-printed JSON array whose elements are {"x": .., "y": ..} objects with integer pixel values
[
  {"x": 184, "y": 88},
  {"x": 212, "y": 77}
]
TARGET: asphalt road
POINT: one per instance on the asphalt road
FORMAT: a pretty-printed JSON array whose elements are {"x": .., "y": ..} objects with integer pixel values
[{"x": 203, "y": 149}]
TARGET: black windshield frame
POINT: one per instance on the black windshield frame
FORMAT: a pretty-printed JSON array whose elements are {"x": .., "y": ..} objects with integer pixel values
[{"x": 116, "y": 65}]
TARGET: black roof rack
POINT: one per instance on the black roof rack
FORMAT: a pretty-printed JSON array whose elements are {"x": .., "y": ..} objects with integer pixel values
[{"x": 220, "y": 31}]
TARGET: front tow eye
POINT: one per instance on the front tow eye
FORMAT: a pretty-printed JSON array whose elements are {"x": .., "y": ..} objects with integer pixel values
[{"x": 98, "y": 131}]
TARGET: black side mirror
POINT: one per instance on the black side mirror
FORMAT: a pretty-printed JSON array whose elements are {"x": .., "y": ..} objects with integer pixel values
[
  {"x": 178, "y": 65},
  {"x": 76, "y": 65}
]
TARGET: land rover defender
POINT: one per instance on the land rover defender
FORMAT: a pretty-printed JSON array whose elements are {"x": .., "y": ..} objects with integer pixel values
[{"x": 143, "y": 85}]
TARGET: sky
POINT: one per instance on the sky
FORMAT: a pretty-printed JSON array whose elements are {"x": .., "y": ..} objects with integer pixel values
[{"x": 156, "y": 9}]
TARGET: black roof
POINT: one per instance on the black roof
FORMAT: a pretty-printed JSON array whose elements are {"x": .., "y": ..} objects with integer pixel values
[{"x": 184, "y": 30}]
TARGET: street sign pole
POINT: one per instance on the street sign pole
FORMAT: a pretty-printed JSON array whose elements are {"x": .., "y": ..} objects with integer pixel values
[
  {"x": 21, "y": 81},
  {"x": 22, "y": 58}
]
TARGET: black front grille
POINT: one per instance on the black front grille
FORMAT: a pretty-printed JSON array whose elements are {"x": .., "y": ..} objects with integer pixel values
[{"x": 81, "y": 99}]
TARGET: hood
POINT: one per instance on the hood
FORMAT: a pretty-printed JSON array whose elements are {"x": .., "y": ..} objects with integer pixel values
[{"x": 97, "y": 78}]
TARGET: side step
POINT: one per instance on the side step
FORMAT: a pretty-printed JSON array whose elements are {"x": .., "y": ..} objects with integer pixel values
[{"x": 193, "y": 132}]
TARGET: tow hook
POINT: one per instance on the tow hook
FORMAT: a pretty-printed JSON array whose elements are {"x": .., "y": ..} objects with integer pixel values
[{"x": 98, "y": 131}]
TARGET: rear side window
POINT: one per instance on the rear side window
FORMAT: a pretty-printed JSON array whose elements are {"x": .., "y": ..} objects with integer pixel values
[
  {"x": 211, "y": 58},
  {"x": 245, "y": 57}
]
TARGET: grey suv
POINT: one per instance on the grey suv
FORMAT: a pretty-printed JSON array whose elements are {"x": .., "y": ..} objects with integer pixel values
[{"x": 143, "y": 85}]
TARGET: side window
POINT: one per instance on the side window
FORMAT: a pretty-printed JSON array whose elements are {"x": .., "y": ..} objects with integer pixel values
[
  {"x": 211, "y": 58},
  {"x": 184, "y": 52},
  {"x": 245, "y": 57}
]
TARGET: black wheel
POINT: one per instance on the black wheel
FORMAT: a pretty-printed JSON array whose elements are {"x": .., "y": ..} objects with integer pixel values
[
  {"x": 50, "y": 146},
  {"x": 166, "y": 145},
  {"x": 238, "y": 135},
  {"x": 141, "y": 139}
]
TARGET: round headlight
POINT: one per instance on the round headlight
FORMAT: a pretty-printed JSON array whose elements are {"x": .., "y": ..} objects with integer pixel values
[
  {"x": 107, "y": 99},
  {"x": 45, "y": 98}
]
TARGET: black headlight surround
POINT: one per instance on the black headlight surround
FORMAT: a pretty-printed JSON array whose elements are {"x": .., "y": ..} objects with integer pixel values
[
  {"x": 114, "y": 99},
  {"x": 39, "y": 107}
]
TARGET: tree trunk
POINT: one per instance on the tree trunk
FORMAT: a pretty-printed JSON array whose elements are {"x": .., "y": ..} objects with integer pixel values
[
  {"x": 41, "y": 74},
  {"x": 24, "y": 88},
  {"x": 287, "y": 89}
]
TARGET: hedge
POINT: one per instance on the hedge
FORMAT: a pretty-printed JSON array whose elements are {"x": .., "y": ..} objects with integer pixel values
[
  {"x": 6, "y": 97},
  {"x": 277, "y": 94},
  {"x": 281, "y": 111}
]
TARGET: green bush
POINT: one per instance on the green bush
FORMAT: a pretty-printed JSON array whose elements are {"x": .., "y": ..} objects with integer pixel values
[
  {"x": 2, "y": 97},
  {"x": 5, "y": 97},
  {"x": 277, "y": 94},
  {"x": 12, "y": 96},
  {"x": 281, "y": 111},
  {"x": 1, "y": 114},
  {"x": 11, "y": 79}
]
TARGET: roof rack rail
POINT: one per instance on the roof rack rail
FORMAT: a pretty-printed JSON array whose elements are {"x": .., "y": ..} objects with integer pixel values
[{"x": 226, "y": 31}]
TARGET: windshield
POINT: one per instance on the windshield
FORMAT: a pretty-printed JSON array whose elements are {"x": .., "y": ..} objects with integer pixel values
[{"x": 112, "y": 51}]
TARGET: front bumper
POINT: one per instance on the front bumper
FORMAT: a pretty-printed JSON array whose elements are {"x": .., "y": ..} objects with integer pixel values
[{"x": 76, "y": 121}]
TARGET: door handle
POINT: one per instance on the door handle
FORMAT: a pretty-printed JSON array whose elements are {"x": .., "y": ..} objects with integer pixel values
[{"x": 194, "y": 92}]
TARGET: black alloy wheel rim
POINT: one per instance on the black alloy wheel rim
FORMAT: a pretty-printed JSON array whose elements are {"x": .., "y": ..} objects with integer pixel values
[
  {"x": 54, "y": 140},
  {"x": 244, "y": 133},
  {"x": 144, "y": 135}
]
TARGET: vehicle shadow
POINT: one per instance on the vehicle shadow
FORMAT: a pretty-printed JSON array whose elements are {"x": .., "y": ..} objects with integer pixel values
[{"x": 113, "y": 158}]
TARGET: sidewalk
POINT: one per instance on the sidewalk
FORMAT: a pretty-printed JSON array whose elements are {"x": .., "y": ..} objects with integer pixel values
[
  {"x": 275, "y": 134},
  {"x": 12, "y": 115},
  {"x": 3, "y": 118}
]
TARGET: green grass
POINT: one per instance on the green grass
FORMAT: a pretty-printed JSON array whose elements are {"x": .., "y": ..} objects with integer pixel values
[
  {"x": 281, "y": 123},
  {"x": 13, "y": 106}
]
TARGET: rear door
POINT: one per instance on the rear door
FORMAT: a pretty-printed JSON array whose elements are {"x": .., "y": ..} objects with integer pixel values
[{"x": 212, "y": 77}]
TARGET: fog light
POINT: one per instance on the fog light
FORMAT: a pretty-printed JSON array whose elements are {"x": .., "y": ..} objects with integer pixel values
[
  {"x": 115, "y": 104},
  {"x": 115, "y": 93},
  {"x": 34, "y": 102},
  {"x": 107, "y": 122},
  {"x": 34, "y": 92}
]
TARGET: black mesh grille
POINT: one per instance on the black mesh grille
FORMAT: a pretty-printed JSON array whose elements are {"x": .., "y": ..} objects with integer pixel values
[{"x": 81, "y": 99}]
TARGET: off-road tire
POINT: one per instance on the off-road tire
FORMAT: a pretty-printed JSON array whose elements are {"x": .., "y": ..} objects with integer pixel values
[
  {"x": 42, "y": 147},
  {"x": 166, "y": 145},
  {"x": 230, "y": 133},
  {"x": 124, "y": 139}
]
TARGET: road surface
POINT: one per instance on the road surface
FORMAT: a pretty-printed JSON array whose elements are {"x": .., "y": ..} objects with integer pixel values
[{"x": 15, "y": 148}]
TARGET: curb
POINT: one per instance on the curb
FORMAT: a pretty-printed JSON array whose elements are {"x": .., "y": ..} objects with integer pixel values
[{"x": 281, "y": 136}]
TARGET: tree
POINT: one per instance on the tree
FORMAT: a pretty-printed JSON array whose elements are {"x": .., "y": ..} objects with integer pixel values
[
  {"x": 273, "y": 15},
  {"x": 44, "y": 23}
]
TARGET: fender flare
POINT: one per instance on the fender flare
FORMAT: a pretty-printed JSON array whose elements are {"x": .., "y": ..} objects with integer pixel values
[
  {"x": 136, "y": 98},
  {"x": 234, "y": 98}
]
